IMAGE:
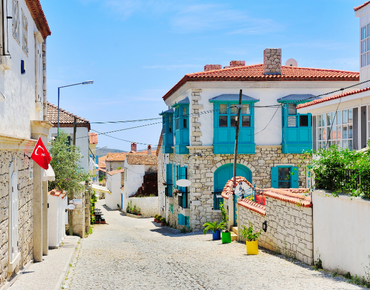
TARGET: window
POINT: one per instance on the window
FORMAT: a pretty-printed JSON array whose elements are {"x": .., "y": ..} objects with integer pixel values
[
  {"x": 225, "y": 120},
  {"x": 183, "y": 195},
  {"x": 24, "y": 33},
  {"x": 182, "y": 126},
  {"x": 284, "y": 176},
  {"x": 183, "y": 220},
  {"x": 169, "y": 180},
  {"x": 167, "y": 131},
  {"x": 365, "y": 45},
  {"x": 335, "y": 128},
  {"x": 296, "y": 129},
  {"x": 16, "y": 20}
]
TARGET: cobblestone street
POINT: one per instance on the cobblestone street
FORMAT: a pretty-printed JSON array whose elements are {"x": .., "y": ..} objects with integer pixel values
[{"x": 129, "y": 253}]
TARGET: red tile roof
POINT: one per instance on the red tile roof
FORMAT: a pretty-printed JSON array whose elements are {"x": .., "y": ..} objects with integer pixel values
[
  {"x": 291, "y": 196},
  {"x": 255, "y": 73},
  {"x": 93, "y": 138},
  {"x": 362, "y": 5},
  {"x": 254, "y": 206},
  {"x": 113, "y": 172},
  {"x": 39, "y": 17},
  {"x": 136, "y": 159},
  {"x": 228, "y": 189},
  {"x": 102, "y": 164},
  {"x": 66, "y": 119},
  {"x": 116, "y": 157},
  {"x": 330, "y": 98},
  {"x": 56, "y": 192}
]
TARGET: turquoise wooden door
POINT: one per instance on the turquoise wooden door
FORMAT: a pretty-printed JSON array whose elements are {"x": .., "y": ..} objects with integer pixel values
[{"x": 225, "y": 173}]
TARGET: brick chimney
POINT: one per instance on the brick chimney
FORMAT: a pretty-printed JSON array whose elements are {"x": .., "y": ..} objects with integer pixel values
[
  {"x": 209, "y": 67},
  {"x": 235, "y": 63},
  {"x": 149, "y": 149},
  {"x": 133, "y": 147},
  {"x": 272, "y": 61}
]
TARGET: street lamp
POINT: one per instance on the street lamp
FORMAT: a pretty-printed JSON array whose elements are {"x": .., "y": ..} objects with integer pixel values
[{"x": 83, "y": 83}]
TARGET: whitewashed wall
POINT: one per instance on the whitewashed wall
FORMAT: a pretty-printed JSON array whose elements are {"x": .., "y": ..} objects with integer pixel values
[
  {"x": 82, "y": 141},
  {"x": 341, "y": 232},
  {"x": 133, "y": 178},
  {"x": 19, "y": 107},
  {"x": 56, "y": 219},
  {"x": 148, "y": 205},
  {"x": 114, "y": 186}
]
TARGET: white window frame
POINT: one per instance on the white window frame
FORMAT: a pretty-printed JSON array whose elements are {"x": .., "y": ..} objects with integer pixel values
[
  {"x": 337, "y": 129},
  {"x": 365, "y": 45}
]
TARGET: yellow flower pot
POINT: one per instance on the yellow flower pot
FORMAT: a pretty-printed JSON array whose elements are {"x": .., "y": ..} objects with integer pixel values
[{"x": 252, "y": 247}]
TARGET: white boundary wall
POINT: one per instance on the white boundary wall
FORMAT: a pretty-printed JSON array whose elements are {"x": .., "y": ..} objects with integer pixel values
[
  {"x": 341, "y": 232},
  {"x": 147, "y": 205}
]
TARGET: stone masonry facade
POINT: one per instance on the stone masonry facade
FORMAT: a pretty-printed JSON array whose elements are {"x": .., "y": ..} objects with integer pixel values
[
  {"x": 202, "y": 164},
  {"x": 14, "y": 160},
  {"x": 289, "y": 228}
]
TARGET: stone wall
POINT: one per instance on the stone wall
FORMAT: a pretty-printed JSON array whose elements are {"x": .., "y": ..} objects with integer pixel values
[
  {"x": 272, "y": 61},
  {"x": 289, "y": 227},
  {"x": 202, "y": 164},
  {"x": 10, "y": 160}
]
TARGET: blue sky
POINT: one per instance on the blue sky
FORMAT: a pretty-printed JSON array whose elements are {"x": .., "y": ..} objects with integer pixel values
[{"x": 135, "y": 50}]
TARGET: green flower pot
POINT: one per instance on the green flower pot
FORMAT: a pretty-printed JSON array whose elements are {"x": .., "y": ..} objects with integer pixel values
[{"x": 226, "y": 237}]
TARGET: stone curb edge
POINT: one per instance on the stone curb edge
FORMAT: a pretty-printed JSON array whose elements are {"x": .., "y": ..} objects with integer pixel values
[{"x": 66, "y": 267}]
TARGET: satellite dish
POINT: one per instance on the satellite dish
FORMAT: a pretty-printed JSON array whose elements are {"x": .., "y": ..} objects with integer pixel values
[
  {"x": 71, "y": 206},
  {"x": 291, "y": 62},
  {"x": 183, "y": 182}
]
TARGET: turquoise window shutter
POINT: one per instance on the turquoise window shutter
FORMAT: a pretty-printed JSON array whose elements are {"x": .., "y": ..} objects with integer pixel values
[
  {"x": 181, "y": 219},
  {"x": 187, "y": 221},
  {"x": 295, "y": 177},
  {"x": 169, "y": 179},
  {"x": 275, "y": 177}
]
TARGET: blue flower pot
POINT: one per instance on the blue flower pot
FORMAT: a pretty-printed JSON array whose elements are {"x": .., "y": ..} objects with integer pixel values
[{"x": 216, "y": 235}]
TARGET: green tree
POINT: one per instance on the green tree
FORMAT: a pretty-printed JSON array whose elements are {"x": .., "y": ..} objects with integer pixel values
[{"x": 69, "y": 175}]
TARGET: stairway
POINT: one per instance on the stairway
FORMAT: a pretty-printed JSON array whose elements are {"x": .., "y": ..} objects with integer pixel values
[{"x": 234, "y": 233}]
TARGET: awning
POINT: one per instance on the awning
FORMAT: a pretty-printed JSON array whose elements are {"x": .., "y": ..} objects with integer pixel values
[
  {"x": 49, "y": 174},
  {"x": 100, "y": 188}
]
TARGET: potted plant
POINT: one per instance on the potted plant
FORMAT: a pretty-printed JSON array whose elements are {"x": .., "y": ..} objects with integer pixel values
[
  {"x": 159, "y": 218},
  {"x": 156, "y": 218},
  {"x": 225, "y": 235},
  {"x": 251, "y": 238},
  {"x": 215, "y": 228},
  {"x": 163, "y": 221}
]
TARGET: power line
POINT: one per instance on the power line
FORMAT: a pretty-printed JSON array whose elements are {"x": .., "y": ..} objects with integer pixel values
[{"x": 127, "y": 121}]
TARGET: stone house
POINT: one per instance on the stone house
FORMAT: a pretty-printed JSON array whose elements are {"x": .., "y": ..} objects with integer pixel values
[
  {"x": 23, "y": 193},
  {"x": 344, "y": 118},
  {"x": 198, "y": 133}
]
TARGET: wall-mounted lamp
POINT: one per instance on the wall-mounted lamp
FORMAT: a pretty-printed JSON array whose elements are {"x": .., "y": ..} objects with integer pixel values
[{"x": 198, "y": 154}]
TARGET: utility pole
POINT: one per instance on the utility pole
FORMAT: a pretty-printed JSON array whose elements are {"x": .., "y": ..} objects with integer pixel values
[{"x": 237, "y": 135}]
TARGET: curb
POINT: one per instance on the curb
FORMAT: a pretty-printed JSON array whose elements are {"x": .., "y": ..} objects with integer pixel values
[{"x": 65, "y": 271}]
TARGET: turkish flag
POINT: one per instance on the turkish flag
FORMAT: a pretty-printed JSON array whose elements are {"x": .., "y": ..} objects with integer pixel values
[{"x": 40, "y": 155}]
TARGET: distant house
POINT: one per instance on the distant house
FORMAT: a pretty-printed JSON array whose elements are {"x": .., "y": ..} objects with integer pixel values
[
  {"x": 66, "y": 123},
  {"x": 114, "y": 184},
  {"x": 344, "y": 118},
  {"x": 23, "y": 96},
  {"x": 199, "y": 131},
  {"x": 94, "y": 160}
]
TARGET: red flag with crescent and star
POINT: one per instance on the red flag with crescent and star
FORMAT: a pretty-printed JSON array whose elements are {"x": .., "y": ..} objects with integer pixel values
[{"x": 41, "y": 155}]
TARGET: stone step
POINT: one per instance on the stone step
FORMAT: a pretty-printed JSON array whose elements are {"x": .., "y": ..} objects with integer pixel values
[
  {"x": 235, "y": 230},
  {"x": 234, "y": 237}
]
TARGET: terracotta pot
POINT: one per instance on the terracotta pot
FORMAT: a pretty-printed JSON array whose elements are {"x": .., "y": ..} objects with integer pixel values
[{"x": 163, "y": 224}]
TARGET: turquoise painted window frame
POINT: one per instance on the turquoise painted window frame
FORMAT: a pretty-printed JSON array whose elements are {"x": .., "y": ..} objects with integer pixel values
[
  {"x": 224, "y": 136},
  {"x": 183, "y": 220},
  {"x": 298, "y": 138},
  {"x": 276, "y": 179},
  {"x": 182, "y": 173},
  {"x": 181, "y": 119},
  {"x": 167, "y": 131}
]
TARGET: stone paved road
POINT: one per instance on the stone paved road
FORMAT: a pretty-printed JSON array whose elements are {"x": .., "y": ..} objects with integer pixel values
[{"x": 130, "y": 253}]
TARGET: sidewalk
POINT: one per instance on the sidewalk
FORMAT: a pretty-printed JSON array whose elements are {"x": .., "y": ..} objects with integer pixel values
[{"x": 48, "y": 274}]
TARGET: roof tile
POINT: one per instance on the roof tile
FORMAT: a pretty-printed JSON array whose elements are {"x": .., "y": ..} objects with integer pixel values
[
  {"x": 256, "y": 73},
  {"x": 93, "y": 138},
  {"x": 66, "y": 119},
  {"x": 362, "y": 5},
  {"x": 136, "y": 159}
]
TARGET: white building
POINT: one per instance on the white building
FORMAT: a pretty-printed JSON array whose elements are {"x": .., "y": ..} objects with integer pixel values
[
  {"x": 114, "y": 184},
  {"x": 344, "y": 118},
  {"x": 23, "y": 194},
  {"x": 199, "y": 132},
  {"x": 66, "y": 123},
  {"x": 57, "y": 217}
]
